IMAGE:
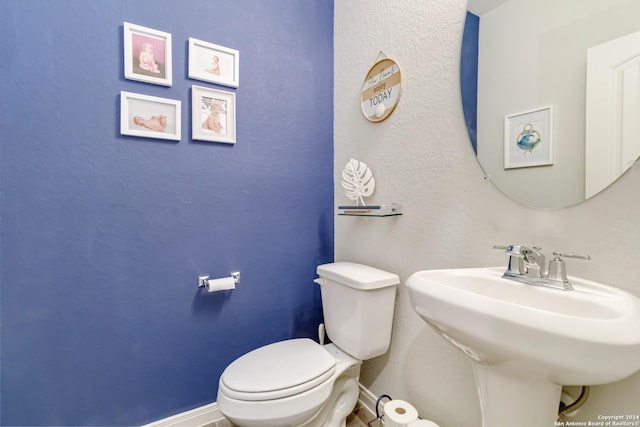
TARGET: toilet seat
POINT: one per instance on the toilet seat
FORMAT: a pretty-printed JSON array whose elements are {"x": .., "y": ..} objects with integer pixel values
[{"x": 278, "y": 370}]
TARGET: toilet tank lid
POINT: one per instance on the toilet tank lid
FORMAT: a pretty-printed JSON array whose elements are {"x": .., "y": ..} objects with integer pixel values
[{"x": 357, "y": 276}]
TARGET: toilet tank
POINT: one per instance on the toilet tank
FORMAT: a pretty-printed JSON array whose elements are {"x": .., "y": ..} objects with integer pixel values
[{"x": 358, "y": 303}]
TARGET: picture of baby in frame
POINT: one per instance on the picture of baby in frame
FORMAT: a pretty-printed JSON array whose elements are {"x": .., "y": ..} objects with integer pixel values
[
  {"x": 148, "y": 55},
  {"x": 148, "y": 116},
  {"x": 214, "y": 114},
  {"x": 155, "y": 123},
  {"x": 214, "y": 67}
]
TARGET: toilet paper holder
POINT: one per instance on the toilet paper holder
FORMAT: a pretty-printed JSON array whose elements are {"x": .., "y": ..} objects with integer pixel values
[{"x": 202, "y": 280}]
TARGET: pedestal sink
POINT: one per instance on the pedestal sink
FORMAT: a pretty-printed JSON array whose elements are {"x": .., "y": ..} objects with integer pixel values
[{"x": 527, "y": 341}]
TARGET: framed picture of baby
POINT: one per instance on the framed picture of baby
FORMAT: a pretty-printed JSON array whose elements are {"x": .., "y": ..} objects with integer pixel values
[
  {"x": 149, "y": 116},
  {"x": 213, "y": 115},
  {"x": 147, "y": 55},
  {"x": 212, "y": 63}
]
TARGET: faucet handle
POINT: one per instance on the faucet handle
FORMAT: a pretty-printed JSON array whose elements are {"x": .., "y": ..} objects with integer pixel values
[
  {"x": 571, "y": 255},
  {"x": 557, "y": 267}
]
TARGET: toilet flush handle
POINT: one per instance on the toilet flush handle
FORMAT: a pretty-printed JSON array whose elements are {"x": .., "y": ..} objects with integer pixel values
[
  {"x": 321, "y": 329},
  {"x": 321, "y": 333}
]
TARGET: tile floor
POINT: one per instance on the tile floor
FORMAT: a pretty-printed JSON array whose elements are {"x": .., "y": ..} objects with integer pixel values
[
  {"x": 360, "y": 418},
  {"x": 359, "y": 422}
]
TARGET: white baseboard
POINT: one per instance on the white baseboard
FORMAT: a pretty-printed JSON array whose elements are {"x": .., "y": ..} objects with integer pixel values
[
  {"x": 367, "y": 402},
  {"x": 209, "y": 415},
  {"x": 204, "y": 416}
]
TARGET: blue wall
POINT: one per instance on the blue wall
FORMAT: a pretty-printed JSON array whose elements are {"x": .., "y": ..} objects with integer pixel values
[
  {"x": 469, "y": 76},
  {"x": 103, "y": 236}
]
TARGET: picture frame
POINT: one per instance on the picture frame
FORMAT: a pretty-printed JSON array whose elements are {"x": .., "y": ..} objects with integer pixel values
[
  {"x": 147, "y": 55},
  {"x": 213, "y": 115},
  {"x": 528, "y": 138},
  {"x": 213, "y": 63},
  {"x": 150, "y": 116}
]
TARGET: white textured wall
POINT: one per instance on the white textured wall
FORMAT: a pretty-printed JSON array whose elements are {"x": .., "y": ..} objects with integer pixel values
[{"x": 422, "y": 158}]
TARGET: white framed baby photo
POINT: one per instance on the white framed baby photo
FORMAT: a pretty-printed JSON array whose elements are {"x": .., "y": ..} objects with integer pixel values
[
  {"x": 213, "y": 115},
  {"x": 150, "y": 116},
  {"x": 213, "y": 63},
  {"x": 147, "y": 55}
]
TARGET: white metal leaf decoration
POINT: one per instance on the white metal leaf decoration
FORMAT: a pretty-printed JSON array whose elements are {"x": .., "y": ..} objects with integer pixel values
[{"x": 358, "y": 181}]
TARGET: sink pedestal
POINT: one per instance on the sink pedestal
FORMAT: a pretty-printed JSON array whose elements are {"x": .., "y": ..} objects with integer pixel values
[{"x": 510, "y": 396}]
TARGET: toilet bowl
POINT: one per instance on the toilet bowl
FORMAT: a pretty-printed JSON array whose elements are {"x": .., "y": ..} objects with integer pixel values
[
  {"x": 300, "y": 383},
  {"x": 290, "y": 383}
]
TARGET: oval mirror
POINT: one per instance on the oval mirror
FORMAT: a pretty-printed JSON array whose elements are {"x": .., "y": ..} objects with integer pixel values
[{"x": 551, "y": 95}]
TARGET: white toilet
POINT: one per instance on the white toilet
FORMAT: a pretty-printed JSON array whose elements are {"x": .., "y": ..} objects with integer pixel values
[{"x": 299, "y": 382}]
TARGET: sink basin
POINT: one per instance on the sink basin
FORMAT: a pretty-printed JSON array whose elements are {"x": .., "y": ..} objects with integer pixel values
[{"x": 527, "y": 341}]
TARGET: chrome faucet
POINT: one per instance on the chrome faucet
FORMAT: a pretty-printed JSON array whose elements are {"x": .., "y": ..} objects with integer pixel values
[{"x": 528, "y": 266}]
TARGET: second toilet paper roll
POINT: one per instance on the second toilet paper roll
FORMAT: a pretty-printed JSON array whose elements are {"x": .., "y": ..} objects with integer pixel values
[
  {"x": 214, "y": 285},
  {"x": 398, "y": 413}
]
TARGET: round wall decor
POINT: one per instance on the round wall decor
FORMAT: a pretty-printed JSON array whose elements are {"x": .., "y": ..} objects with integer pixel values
[{"x": 381, "y": 90}]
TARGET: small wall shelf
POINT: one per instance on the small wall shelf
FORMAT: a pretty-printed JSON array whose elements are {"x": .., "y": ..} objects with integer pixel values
[{"x": 393, "y": 209}]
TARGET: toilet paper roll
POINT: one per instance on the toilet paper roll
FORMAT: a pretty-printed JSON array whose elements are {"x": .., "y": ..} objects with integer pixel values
[
  {"x": 398, "y": 413},
  {"x": 423, "y": 423},
  {"x": 214, "y": 285}
]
